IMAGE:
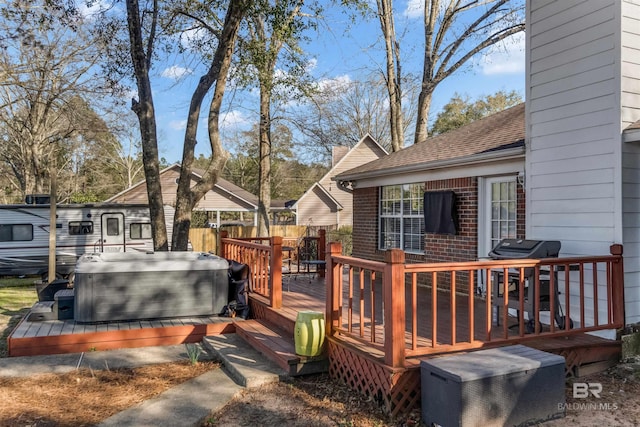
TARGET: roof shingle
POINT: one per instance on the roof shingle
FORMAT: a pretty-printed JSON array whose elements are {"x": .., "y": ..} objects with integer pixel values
[{"x": 502, "y": 130}]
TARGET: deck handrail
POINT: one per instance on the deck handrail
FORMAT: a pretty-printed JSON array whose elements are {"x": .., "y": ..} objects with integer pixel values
[
  {"x": 376, "y": 303},
  {"x": 264, "y": 260}
]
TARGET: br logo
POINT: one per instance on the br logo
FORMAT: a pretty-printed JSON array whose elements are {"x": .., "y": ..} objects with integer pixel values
[{"x": 583, "y": 390}]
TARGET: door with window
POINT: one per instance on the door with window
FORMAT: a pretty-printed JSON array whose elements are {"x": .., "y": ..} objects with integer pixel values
[
  {"x": 499, "y": 212},
  {"x": 112, "y": 238}
]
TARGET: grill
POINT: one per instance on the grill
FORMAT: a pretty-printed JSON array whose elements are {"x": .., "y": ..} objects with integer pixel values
[
  {"x": 525, "y": 249},
  {"x": 534, "y": 249}
]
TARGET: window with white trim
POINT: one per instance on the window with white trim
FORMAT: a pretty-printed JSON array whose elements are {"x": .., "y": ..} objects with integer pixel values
[
  {"x": 402, "y": 217},
  {"x": 503, "y": 210}
]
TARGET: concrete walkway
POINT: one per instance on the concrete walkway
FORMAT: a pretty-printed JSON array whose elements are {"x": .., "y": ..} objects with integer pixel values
[{"x": 187, "y": 404}]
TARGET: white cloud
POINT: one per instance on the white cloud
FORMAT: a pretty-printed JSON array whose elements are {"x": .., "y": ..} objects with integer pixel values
[
  {"x": 335, "y": 83},
  {"x": 95, "y": 8},
  {"x": 189, "y": 38},
  {"x": 175, "y": 72},
  {"x": 178, "y": 124},
  {"x": 415, "y": 9},
  {"x": 507, "y": 57},
  {"x": 233, "y": 118}
]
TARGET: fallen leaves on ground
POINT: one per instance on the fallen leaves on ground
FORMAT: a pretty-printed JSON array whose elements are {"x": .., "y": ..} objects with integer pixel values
[{"x": 85, "y": 397}]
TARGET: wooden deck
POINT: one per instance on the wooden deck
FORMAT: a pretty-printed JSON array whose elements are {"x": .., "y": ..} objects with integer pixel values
[
  {"x": 67, "y": 336},
  {"x": 303, "y": 292}
]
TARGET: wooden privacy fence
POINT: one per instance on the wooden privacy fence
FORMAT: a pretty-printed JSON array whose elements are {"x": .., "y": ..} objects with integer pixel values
[
  {"x": 206, "y": 239},
  {"x": 411, "y": 310}
]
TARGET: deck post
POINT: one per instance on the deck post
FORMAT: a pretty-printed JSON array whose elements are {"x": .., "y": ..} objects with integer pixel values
[
  {"x": 332, "y": 284},
  {"x": 322, "y": 241},
  {"x": 394, "y": 308},
  {"x": 222, "y": 234},
  {"x": 275, "y": 276},
  {"x": 617, "y": 285}
]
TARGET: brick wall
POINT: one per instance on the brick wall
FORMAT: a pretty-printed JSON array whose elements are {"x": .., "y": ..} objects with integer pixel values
[
  {"x": 438, "y": 247},
  {"x": 365, "y": 224},
  {"x": 462, "y": 246}
]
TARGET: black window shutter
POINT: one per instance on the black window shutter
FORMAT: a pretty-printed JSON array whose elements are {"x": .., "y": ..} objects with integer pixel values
[{"x": 440, "y": 213}]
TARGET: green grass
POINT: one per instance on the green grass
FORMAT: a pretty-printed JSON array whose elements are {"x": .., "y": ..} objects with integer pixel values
[{"x": 17, "y": 296}]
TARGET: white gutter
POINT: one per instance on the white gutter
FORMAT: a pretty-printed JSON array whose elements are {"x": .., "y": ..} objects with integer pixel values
[
  {"x": 631, "y": 135},
  {"x": 506, "y": 154}
]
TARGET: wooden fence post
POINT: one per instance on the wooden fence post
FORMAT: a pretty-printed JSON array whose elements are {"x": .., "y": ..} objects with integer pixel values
[
  {"x": 332, "y": 283},
  {"x": 275, "y": 270},
  {"x": 617, "y": 285},
  {"x": 322, "y": 239},
  {"x": 393, "y": 290},
  {"x": 222, "y": 234}
]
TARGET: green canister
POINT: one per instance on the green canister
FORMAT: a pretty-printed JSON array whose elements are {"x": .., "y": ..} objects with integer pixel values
[{"x": 309, "y": 333}]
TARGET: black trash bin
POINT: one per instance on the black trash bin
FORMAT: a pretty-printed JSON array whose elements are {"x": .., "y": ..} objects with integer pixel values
[{"x": 238, "y": 298}]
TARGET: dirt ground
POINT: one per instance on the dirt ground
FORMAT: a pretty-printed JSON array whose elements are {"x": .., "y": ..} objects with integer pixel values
[{"x": 84, "y": 398}]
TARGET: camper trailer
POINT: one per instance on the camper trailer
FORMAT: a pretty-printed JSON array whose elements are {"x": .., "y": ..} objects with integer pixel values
[{"x": 80, "y": 229}]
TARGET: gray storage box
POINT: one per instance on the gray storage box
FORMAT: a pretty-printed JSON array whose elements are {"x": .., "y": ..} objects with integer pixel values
[
  {"x": 508, "y": 386},
  {"x": 132, "y": 286},
  {"x": 63, "y": 304}
]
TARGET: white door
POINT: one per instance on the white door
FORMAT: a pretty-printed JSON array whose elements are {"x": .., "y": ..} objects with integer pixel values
[
  {"x": 112, "y": 239},
  {"x": 499, "y": 209}
]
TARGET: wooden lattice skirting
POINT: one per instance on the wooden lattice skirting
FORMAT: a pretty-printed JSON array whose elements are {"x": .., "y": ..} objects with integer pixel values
[{"x": 396, "y": 390}]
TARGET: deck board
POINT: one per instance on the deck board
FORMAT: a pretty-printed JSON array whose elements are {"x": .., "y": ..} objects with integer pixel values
[{"x": 67, "y": 336}]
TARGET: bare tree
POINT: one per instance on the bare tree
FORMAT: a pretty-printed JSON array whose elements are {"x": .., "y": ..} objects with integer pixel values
[
  {"x": 274, "y": 30},
  {"x": 217, "y": 74},
  {"x": 394, "y": 73},
  {"x": 47, "y": 61},
  {"x": 342, "y": 112},
  {"x": 455, "y": 32},
  {"x": 141, "y": 50}
]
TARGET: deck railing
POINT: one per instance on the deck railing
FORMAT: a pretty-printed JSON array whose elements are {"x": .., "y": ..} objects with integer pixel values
[
  {"x": 264, "y": 260},
  {"x": 395, "y": 307}
]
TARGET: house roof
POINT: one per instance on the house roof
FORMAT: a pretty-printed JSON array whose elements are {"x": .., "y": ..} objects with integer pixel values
[
  {"x": 491, "y": 134},
  {"x": 230, "y": 188},
  {"x": 222, "y": 184},
  {"x": 337, "y": 164}
]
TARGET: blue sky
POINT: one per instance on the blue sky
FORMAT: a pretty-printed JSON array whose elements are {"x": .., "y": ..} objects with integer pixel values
[{"x": 339, "y": 51}]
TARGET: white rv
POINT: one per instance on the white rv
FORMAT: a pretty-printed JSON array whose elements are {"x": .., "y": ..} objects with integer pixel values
[{"x": 80, "y": 229}]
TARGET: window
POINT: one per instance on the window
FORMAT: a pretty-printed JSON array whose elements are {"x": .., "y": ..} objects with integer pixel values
[
  {"x": 503, "y": 211},
  {"x": 80, "y": 227},
  {"x": 402, "y": 217},
  {"x": 113, "y": 227},
  {"x": 16, "y": 232},
  {"x": 139, "y": 230}
]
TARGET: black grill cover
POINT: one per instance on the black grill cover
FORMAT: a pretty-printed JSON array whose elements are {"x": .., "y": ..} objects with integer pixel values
[{"x": 519, "y": 248}]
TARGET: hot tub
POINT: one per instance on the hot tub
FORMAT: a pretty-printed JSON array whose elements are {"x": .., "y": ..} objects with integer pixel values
[{"x": 132, "y": 286}]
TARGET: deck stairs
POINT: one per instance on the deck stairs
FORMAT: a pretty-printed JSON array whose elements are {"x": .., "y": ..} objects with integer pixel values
[{"x": 273, "y": 338}]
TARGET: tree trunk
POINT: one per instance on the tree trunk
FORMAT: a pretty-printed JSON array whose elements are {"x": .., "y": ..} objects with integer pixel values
[
  {"x": 424, "y": 104},
  {"x": 393, "y": 78},
  {"x": 145, "y": 111},
  {"x": 188, "y": 196},
  {"x": 264, "y": 197}
]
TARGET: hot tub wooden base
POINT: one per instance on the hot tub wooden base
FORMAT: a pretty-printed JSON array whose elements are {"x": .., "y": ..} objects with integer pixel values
[{"x": 67, "y": 336}]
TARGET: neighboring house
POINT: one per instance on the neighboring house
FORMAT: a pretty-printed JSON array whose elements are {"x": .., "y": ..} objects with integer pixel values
[
  {"x": 323, "y": 204},
  {"x": 579, "y": 161},
  {"x": 225, "y": 196}
]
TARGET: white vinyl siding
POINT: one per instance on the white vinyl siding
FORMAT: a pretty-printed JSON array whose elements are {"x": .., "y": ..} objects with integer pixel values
[
  {"x": 630, "y": 102},
  {"x": 583, "y": 89},
  {"x": 572, "y": 155}
]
